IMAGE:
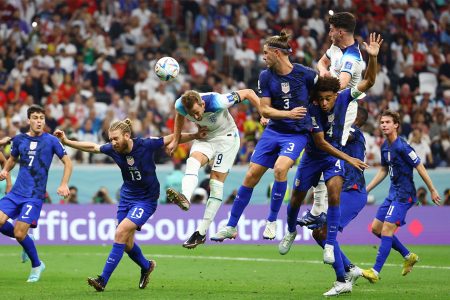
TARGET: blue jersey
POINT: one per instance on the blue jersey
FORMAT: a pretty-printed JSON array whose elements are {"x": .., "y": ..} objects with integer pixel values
[
  {"x": 138, "y": 169},
  {"x": 356, "y": 147},
  {"x": 35, "y": 155},
  {"x": 400, "y": 159},
  {"x": 336, "y": 123},
  {"x": 287, "y": 92}
]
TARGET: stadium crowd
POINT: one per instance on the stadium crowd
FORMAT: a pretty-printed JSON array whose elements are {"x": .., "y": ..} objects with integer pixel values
[{"x": 91, "y": 62}]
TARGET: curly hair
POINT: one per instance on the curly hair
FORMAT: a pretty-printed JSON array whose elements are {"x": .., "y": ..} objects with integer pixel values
[{"x": 343, "y": 20}]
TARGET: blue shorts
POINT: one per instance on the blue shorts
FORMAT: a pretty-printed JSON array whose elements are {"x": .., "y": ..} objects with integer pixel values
[
  {"x": 137, "y": 212},
  {"x": 352, "y": 202},
  {"x": 394, "y": 212},
  {"x": 273, "y": 144},
  {"x": 27, "y": 210},
  {"x": 311, "y": 168}
]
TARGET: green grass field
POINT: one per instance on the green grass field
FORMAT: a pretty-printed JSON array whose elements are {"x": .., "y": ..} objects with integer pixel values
[{"x": 221, "y": 271}]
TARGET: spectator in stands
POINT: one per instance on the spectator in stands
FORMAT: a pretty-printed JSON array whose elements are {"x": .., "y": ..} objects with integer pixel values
[{"x": 102, "y": 197}]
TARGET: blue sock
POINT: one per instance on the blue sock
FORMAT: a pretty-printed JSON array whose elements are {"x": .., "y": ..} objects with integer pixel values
[
  {"x": 333, "y": 216},
  {"x": 292, "y": 214},
  {"x": 321, "y": 243},
  {"x": 276, "y": 200},
  {"x": 383, "y": 252},
  {"x": 136, "y": 255},
  {"x": 7, "y": 229},
  {"x": 30, "y": 249},
  {"x": 397, "y": 245},
  {"x": 240, "y": 203},
  {"x": 113, "y": 260},
  {"x": 346, "y": 262},
  {"x": 338, "y": 264}
]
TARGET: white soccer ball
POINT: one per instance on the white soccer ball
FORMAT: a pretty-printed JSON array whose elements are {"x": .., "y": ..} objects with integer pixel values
[{"x": 167, "y": 68}]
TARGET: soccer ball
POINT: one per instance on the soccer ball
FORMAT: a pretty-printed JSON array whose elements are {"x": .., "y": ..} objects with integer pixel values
[{"x": 167, "y": 68}]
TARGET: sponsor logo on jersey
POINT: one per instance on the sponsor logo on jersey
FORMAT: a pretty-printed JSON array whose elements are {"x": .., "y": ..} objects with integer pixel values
[
  {"x": 130, "y": 160},
  {"x": 413, "y": 156},
  {"x": 33, "y": 145},
  {"x": 285, "y": 88}
]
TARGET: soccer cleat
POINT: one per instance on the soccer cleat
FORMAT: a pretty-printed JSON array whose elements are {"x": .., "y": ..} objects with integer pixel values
[
  {"x": 24, "y": 255},
  {"x": 270, "y": 231},
  {"x": 410, "y": 260},
  {"x": 35, "y": 273},
  {"x": 311, "y": 221},
  {"x": 339, "y": 288},
  {"x": 353, "y": 274},
  {"x": 328, "y": 254},
  {"x": 97, "y": 283},
  {"x": 226, "y": 232},
  {"x": 145, "y": 274},
  {"x": 370, "y": 275},
  {"x": 285, "y": 245},
  {"x": 178, "y": 198},
  {"x": 195, "y": 240}
]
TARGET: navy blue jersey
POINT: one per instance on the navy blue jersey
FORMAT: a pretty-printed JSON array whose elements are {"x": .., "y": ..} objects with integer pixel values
[
  {"x": 287, "y": 92},
  {"x": 356, "y": 147},
  {"x": 336, "y": 123},
  {"x": 401, "y": 159},
  {"x": 35, "y": 154},
  {"x": 138, "y": 169}
]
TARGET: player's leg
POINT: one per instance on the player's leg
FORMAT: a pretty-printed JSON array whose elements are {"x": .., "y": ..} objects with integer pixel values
[
  {"x": 201, "y": 153},
  {"x": 8, "y": 209},
  {"x": 6, "y": 228},
  {"x": 334, "y": 187},
  {"x": 317, "y": 216}
]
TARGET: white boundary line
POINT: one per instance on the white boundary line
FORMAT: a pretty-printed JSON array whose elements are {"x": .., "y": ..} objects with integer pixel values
[{"x": 250, "y": 259}]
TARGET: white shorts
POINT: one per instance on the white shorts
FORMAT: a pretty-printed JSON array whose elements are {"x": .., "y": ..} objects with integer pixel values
[{"x": 221, "y": 149}]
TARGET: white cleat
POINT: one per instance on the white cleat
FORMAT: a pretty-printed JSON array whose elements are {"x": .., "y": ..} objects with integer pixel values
[
  {"x": 285, "y": 245},
  {"x": 328, "y": 254},
  {"x": 35, "y": 273},
  {"x": 339, "y": 288},
  {"x": 226, "y": 232},
  {"x": 353, "y": 275},
  {"x": 270, "y": 231}
]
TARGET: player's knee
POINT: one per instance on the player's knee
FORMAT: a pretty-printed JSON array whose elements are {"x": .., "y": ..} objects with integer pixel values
[
  {"x": 251, "y": 179},
  {"x": 376, "y": 231},
  {"x": 121, "y": 236},
  {"x": 216, "y": 189},
  {"x": 280, "y": 173},
  {"x": 20, "y": 234}
]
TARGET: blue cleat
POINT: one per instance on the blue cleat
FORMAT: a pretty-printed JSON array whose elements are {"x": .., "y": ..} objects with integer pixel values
[
  {"x": 35, "y": 273},
  {"x": 312, "y": 222}
]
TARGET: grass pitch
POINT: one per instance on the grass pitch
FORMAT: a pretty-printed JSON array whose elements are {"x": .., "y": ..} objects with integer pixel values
[{"x": 221, "y": 271}]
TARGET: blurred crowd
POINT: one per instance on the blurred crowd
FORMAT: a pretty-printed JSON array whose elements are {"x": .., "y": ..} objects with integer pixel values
[{"x": 91, "y": 62}]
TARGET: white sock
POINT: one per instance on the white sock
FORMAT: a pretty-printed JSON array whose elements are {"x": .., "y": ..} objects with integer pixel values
[
  {"x": 190, "y": 178},
  {"x": 212, "y": 205},
  {"x": 320, "y": 204}
]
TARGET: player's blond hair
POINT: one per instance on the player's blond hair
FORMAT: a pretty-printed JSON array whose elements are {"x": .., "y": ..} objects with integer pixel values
[
  {"x": 124, "y": 126},
  {"x": 189, "y": 98},
  {"x": 280, "y": 42}
]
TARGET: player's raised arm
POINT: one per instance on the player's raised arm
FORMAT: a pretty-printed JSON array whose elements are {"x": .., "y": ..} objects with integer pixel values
[
  {"x": 323, "y": 145},
  {"x": 83, "y": 146},
  {"x": 179, "y": 122},
  {"x": 426, "y": 178},
  {"x": 372, "y": 49},
  {"x": 379, "y": 177}
]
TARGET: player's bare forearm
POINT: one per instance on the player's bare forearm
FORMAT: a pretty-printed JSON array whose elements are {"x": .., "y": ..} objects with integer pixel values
[
  {"x": 379, "y": 177},
  {"x": 179, "y": 123},
  {"x": 83, "y": 146},
  {"x": 251, "y": 96},
  {"x": 67, "y": 169},
  {"x": 344, "y": 79},
  {"x": 10, "y": 163},
  {"x": 426, "y": 178},
  {"x": 323, "y": 65}
]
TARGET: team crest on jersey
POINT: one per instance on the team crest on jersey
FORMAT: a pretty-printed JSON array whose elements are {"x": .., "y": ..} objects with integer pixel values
[
  {"x": 33, "y": 145},
  {"x": 285, "y": 88},
  {"x": 331, "y": 118},
  {"x": 297, "y": 182},
  {"x": 130, "y": 160}
]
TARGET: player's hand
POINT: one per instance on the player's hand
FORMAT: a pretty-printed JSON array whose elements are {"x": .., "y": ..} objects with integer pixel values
[
  {"x": 297, "y": 113},
  {"x": 374, "y": 44},
  {"x": 60, "y": 135},
  {"x": 63, "y": 190},
  {"x": 3, "y": 175},
  {"x": 435, "y": 197},
  {"x": 360, "y": 165},
  {"x": 5, "y": 140},
  {"x": 170, "y": 148},
  {"x": 201, "y": 133},
  {"x": 263, "y": 121},
  {"x": 324, "y": 73}
]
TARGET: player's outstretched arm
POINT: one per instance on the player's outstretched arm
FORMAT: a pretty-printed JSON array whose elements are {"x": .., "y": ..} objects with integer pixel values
[
  {"x": 187, "y": 137},
  {"x": 63, "y": 189},
  {"x": 379, "y": 177},
  {"x": 83, "y": 146},
  {"x": 269, "y": 112},
  {"x": 173, "y": 144},
  {"x": 372, "y": 49},
  {"x": 426, "y": 178},
  {"x": 251, "y": 96},
  {"x": 323, "y": 145}
]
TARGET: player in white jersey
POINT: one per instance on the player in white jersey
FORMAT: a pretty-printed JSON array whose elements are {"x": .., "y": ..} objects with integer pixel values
[
  {"x": 342, "y": 60},
  {"x": 221, "y": 146}
]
